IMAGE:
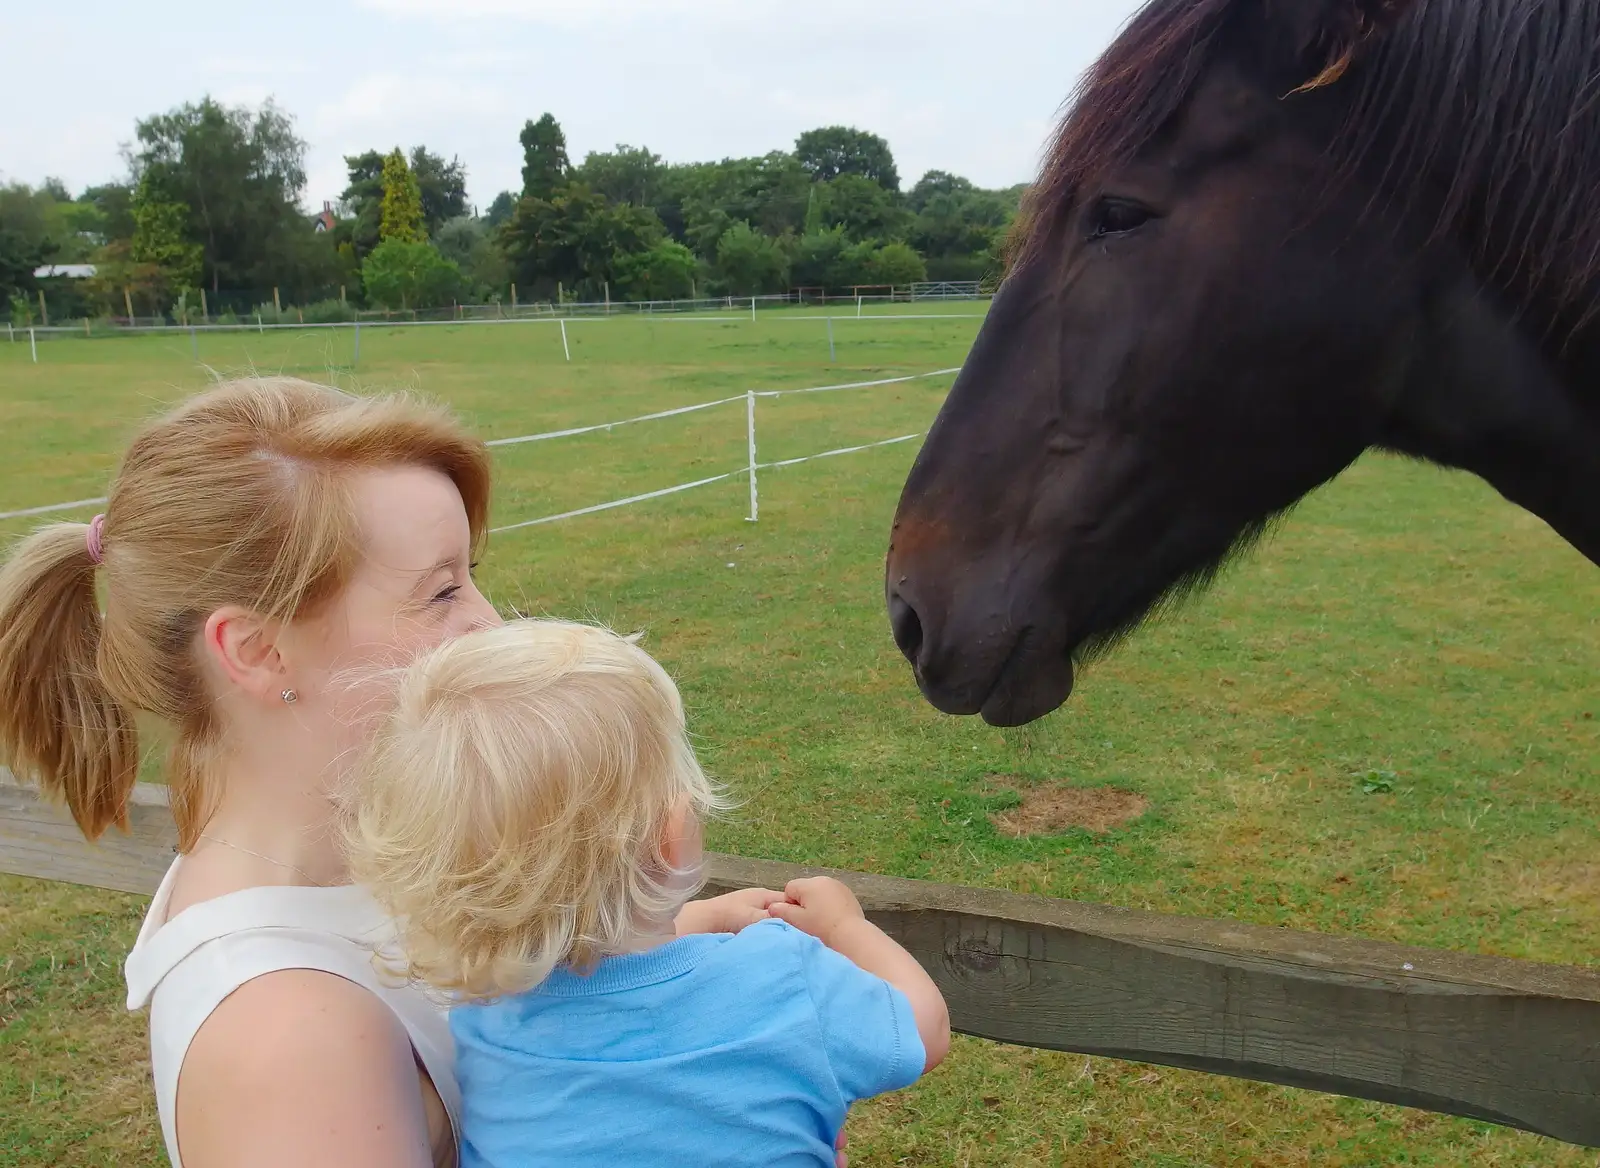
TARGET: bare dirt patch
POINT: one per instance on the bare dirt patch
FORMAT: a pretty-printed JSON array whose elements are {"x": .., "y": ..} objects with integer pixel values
[{"x": 1051, "y": 810}]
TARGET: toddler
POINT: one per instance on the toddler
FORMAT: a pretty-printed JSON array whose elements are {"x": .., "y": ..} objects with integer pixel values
[{"x": 530, "y": 813}]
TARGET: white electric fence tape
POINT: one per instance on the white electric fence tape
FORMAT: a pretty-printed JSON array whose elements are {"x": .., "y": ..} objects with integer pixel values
[
  {"x": 79, "y": 504},
  {"x": 732, "y": 474}
]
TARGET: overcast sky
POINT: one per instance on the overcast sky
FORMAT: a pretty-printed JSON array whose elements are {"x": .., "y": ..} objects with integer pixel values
[{"x": 950, "y": 88}]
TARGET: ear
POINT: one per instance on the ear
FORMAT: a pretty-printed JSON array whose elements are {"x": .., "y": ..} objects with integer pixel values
[
  {"x": 1326, "y": 37},
  {"x": 680, "y": 839},
  {"x": 243, "y": 647}
]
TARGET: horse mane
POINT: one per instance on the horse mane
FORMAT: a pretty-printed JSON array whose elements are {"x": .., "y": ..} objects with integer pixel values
[
  {"x": 1497, "y": 102},
  {"x": 1483, "y": 114},
  {"x": 1121, "y": 103}
]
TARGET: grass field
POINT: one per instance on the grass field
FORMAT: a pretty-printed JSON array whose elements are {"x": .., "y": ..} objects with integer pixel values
[{"x": 1383, "y": 723}]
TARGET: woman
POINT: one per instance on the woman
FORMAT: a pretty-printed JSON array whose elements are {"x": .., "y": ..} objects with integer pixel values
[{"x": 263, "y": 543}]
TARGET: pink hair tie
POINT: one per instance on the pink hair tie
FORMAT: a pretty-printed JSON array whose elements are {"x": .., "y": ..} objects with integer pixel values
[{"x": 94, "y": 537}]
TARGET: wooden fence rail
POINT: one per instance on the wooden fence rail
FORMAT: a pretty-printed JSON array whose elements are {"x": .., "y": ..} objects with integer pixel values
[{"x": 1511, "y": 1042}]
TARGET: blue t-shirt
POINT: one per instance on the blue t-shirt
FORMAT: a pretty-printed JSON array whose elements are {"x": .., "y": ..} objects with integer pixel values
[{"x": 721, "y": 1049}]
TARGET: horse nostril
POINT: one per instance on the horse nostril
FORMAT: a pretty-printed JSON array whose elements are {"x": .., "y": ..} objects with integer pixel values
[{"x": 907, "y": 627}]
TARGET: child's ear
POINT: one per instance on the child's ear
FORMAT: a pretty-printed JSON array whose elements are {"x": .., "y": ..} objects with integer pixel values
[{"x": 680, "y": 838}]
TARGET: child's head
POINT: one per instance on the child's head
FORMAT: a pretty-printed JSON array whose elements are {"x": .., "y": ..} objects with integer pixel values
[{"x": 531, "y": 800}]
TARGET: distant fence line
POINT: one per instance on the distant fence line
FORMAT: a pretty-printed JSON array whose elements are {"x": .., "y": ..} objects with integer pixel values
[
  {"x": 339, "y": 310},
  {"x": 726, "y": 309}
]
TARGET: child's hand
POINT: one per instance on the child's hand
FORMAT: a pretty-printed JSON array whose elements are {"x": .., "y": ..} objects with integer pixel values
[
  {"x": 819, "y": 905},
  {"x": 727, "y": 913},
  {"x": 829, "y": 911}
]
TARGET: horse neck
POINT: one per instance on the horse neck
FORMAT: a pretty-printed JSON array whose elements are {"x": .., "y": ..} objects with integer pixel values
[{"x": 1489, "y": 395}]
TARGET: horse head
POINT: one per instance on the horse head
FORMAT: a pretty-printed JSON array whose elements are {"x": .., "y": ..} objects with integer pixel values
[{"x": 1231, "y": 281}]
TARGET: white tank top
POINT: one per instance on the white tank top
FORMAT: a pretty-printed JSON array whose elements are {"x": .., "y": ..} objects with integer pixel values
[{"x": 183, "y": 969}]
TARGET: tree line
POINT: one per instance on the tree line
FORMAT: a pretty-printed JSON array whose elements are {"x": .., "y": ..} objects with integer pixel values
[{"x": 212, "y": 203}]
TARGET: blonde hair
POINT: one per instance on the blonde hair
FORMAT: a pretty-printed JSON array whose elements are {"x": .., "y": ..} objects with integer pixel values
[
  {"x": 511, "y": 809},
  {"x": 239, "y": 496}
]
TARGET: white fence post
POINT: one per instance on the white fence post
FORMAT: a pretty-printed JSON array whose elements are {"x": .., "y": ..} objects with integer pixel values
[
  {"x": 564, "y": 347},
  {"x": 831, "y": 357},
  {"x": 34, "y": 345},
  {"x": 858, "y": 304},
  {"x": 752, "y": 310},
  {"x": 750, "y": 429}
]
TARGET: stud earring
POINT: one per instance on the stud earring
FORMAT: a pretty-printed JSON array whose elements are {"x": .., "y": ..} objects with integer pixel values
[{"x": 289, "y": 697}]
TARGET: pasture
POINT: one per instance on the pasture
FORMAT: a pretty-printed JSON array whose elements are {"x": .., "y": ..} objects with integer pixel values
[{"x": 1382, "y": 723}]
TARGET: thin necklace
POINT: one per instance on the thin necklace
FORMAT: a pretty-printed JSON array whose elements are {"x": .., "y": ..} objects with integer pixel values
[{"x": 282, "y": 864}]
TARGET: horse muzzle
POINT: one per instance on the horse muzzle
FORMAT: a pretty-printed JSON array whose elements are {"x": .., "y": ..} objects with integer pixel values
[{"x": 970, "y": 657}]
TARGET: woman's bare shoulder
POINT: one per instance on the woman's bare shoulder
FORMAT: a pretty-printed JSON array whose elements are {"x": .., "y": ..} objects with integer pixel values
[{"x": 301, "y": 1067}]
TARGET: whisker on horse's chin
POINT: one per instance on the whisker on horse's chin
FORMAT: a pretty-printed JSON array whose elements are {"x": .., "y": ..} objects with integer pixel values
[{"x": 1117, "y": 627}]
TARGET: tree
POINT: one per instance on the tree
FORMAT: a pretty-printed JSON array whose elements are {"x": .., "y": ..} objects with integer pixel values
[
  {"x": 460, "y": 239},
  {"x": 896, "y": 263},
  {"x": 114, "y": 203},
  {"x": 45, "y": 225},
  {"x": 835, "y": 150},
  {"x": 827, "y": 259},
  {"x": 84, "y": 230},
  {"x": 442, "y": 186},
  {"x": 855, "y": 266},
  {"x": 362, "y": 202},
  {"x": 402, "y": 202},
  {"x": 30, "y": 235},
  {"x": 19, "y": 257},
  {"x": 815, "y": 260},
  {"x": 960, "y": 229},
  {"x": 936, "y": 182},
  {"x": 117, "y": 273},
  {"x": 162, "y": 239},
  {"x": 751, "y": 263},
  {"x": 545, "y": 169},
  {"x": 500, "y": 210},
  {"x": 624, "y": 175},
  {"x": 960, "y": 223},
  {"x": 770, "y": 193},
  {"x": 863, "y": 209},
  {"x": 406, "y": 274},
  {"x": 665, "y": 272},
  {"x": 814, "y": 222},
  {"x": 577, "y": 238},
  {"x": 240, "y": 174},
  {"x": 465, "y": 241}
]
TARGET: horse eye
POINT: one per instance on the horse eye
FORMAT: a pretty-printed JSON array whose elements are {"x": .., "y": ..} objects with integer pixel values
[{"x": 1116, "y": 217}]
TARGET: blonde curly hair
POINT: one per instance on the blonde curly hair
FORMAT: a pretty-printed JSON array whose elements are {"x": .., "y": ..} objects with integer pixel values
[{"x": 511, "y": 810}]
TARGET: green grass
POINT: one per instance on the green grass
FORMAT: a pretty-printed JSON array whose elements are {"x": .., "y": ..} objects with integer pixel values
[{"x": 1382, "y": 723}]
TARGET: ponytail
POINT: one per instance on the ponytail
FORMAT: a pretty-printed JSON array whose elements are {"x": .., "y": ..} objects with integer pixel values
[
  {"x": 232, "y": 498},
  {"x": 60, "y": 726}
]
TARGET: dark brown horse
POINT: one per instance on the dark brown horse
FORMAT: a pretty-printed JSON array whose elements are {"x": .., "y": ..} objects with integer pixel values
[{"x": 1271, "y": 234}]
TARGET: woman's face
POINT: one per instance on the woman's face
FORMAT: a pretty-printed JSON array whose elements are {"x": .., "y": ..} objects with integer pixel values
[{"x": 413, "y": 591}]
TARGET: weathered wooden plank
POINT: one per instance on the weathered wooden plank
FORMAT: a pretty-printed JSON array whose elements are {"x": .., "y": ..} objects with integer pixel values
[
  {"x": 1511, "y": 1042},
  {"x": 37, "y": 839}
]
